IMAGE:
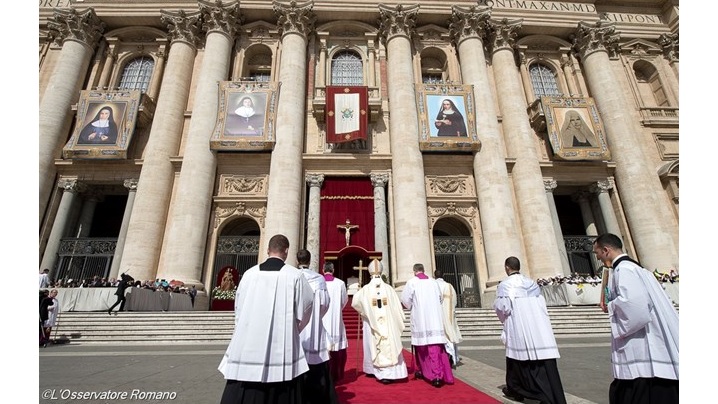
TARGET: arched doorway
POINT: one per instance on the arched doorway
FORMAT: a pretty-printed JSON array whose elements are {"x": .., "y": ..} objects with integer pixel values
[
  {"x": 454, "y": 256},
  {"x": 237, "y": 245}
]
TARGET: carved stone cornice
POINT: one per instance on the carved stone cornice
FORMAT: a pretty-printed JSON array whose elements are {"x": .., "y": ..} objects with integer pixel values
[
  {"x": 602, "y": 186},
  {"x": 503, "y": 33},
  {"x": 217, "y": 17},
  {"x": 183, "y": 27},
  {"x": 295, "y": 18},
  {"x": 599, "y": 38},
  {"x": 314, "y": 180},
  {"x": 131, "y": 184},
  {"x": 669, "y": 42},
  {"x": 232, "y": 185},
  {"x": 73, "y": 25},
  {"x": 397, "y": 21},
  {"x": 549, "y": 185},
  {"x": 239, "y": 209},
  {"x": 451, "y": 209},
  {"x": 472, "y": 22},
  {"x": 379, "y": 180},
  {"x": 454, "y": 186},
  {"x": 71, "y": 185}
]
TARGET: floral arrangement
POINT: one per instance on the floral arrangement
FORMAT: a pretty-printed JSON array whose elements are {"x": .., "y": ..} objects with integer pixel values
[
  {"x": 573, "y": 279},
  {"x": 219, "y": 294},
  {"x": 671, "y": 276}
]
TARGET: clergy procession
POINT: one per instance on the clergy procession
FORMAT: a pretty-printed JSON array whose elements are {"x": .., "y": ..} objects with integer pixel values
[{"x": 290, "y": 341}]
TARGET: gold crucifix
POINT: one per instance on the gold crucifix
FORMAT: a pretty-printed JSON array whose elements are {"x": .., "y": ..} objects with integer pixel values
[
  {"x": 361, "y": 268},
  {"x": 348, "y": 227}
]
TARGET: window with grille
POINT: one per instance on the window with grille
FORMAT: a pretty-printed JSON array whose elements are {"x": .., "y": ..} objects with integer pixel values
[
  {"x": 431, "y": 78},
  {"x": 137, "y": 74},
  {"x": 543, "y": 80},
  {"x": 260, "y": 76},
  {"x": 347, "y": 69}
]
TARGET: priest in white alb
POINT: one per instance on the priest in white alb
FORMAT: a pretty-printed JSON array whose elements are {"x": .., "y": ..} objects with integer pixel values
[
  {"x": 451, "y": 326},
  {"x": 336, "y": 332},
  {"x": 382, "y": 325},
  {"x": 422, "y": 296},
  {"x": 265, "y": 360},
  {"x": 531, "y": 350}
]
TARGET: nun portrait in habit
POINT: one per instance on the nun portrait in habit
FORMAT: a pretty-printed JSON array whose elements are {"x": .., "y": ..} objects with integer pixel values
[
  {"x": 101, "y": 130},
  {"x": 575, "y": 132}
]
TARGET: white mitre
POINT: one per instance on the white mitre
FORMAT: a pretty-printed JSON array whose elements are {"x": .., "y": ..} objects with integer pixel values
[{"x": 375, "y": 268}]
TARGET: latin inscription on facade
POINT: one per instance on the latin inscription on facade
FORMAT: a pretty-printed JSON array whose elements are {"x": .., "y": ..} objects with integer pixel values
[
  {"x": 542, "y": 5},
  {"x": 634, "y": 18},
  {"x": 54, "y": 3}
]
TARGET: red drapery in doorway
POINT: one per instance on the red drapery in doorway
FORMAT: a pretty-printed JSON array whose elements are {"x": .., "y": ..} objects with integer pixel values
[{"x": 345, "y": 198}]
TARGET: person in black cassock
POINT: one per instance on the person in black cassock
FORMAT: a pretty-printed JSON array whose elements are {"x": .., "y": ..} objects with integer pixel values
[{"x": 125, "y": 282}]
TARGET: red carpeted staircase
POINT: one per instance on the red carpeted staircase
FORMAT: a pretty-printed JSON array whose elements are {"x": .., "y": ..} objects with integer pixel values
[{"x": 351, "y": 321}]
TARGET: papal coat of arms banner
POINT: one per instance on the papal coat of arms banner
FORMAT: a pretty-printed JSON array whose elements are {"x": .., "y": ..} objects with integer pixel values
[{"x": 347, "y": 113}]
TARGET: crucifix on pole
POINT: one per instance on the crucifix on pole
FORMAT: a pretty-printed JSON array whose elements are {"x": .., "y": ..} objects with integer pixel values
[
  {"x": 347, "y": 227},
  {"x": 361, "y": 268}
]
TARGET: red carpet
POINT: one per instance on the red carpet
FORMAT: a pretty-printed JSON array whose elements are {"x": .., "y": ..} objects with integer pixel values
[{"x": 358, "y": 388}]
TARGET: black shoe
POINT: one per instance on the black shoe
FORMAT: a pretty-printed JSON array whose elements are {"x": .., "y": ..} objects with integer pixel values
[
  {"x": 418, "y": 375},
  {"x": 512, "y": 394},
  {"x": 109, "y": 312},
  {"x": 437, "y": 382},
  {"x": 385, "y": 381}
]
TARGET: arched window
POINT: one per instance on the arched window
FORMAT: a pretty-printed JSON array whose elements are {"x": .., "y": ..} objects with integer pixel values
[
  {"x": 259, "y": 64},
  {"x": 649, "y": 85},
  {"x": 137, "y": 74},
  {"x": 432, "y": 70},
  {"x": 543, "y": 80},
  {"x": 347, "y": 69}
]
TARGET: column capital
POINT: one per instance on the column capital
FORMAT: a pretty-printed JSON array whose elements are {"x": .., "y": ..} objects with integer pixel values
[
  {"x": 669, "y": 42},
  {"x": 131, "y": 184},
  {"x": 602, "y": 186},
  {"x": 549, "y": 185},
  {"x": 71, "y": 185},
  {"x": 217, "y": 17},
  {"x": 503, "y": 33},
  {"x": 183, "y": 27},
  {"x": 472, "y": 22},
  {"x": 73, "y": 25},
  {"x": 379, "y": 179},
  {"x": 598, "y": 38},
  {"x": 295, "y": 18},
  {"x": 397, "y": 21},
  {"x": 314, "y": 180}
]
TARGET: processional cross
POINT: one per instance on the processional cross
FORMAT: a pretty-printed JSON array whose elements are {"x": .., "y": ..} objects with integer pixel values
[
  {"x": 348, "y": 227},
  {"x": 361, "y": 268}
]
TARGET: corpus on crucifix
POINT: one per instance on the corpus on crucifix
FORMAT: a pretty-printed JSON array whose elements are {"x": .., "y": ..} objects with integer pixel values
[{"x": 348, "y": 227}]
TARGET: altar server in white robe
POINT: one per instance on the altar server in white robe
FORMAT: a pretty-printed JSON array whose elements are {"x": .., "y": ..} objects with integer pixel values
[
  {"x": 265, "y": 359},
  {"x": 318, "y": 385},
  {"x": 423, "y": 297},
  {"x": 531, "y": 350},
  {"x": 382, "y": 325},
  {"x": 451, "y": 326},
  {"x": 334, "y": 323},
  {"x": 644, "y": 329}
]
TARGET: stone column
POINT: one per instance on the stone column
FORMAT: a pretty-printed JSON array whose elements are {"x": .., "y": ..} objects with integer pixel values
[
  {"x": 669, "y": 42},
  {"x": 589, "y": 222},
  {"x": 313, "y": 213},
  {"x": 70, "y": 187},
  {"x": 648, "y": 213},
  {"x": 542, "y": 253},
  {"x": 87, "y": 213},
  {"x": 322, "y": 68},
  {"x": 566, "y": 63},
  {"x": 601, "y": 189},
  {"x": 110, "y": 59},
  {"x": 154, "y": 88},
  {"x": 411, "y": 223},
  {"x": 147, "y": 223},
  {"x": 131, "y": 185},
  {"x": 381, "y": 237},
  {"x": 493, "y": 187},
  {"x": 565, "y": 267},
  {"x": 186, "y": 233},
  {"x": 79, "y": 32},
  {"x": 371, "y": 68},
  {"x": 525, "y": 77},
  {"x": 284, "y": 193}
]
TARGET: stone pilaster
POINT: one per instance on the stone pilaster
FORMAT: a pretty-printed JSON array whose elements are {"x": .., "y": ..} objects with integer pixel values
[
  {"x": 381, "y": 238},
  {"x": 284, "y": 193},
  {"x": 315, "y": 182},
  {"x": 78, "y": 32},
  {"x": 565, "y": 267},
  {"x": 589, "y": 221},
  {"x": 648, "y": 213},
  {"x": 411, "y": 224},
  {"x": 147, "y": 223},
  {"x": 87, "y": 213},
  {"x": 468, "y": 28},
  {"x": 542, "y": 253},
  {"x": 70, "y": 190},
  {"x": 669, "y": 43},
  {"x": 601, "y": 189},
  {"x": 186, "y": 234},
  {"x": 131, "y": 185}
]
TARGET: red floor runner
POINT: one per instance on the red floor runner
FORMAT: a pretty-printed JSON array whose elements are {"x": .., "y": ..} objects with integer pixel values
[{"x": 358, "y": 388}]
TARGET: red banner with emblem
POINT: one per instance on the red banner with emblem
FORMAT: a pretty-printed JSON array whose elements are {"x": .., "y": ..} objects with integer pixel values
[{"x": 347, "y": 113}]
